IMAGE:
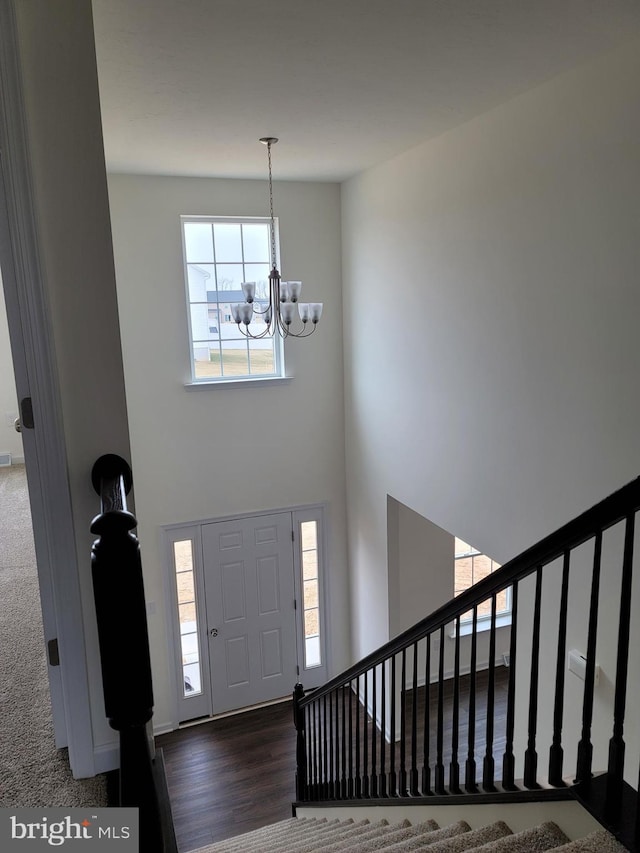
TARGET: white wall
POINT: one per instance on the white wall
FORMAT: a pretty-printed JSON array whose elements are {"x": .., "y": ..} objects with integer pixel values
[
  {"x": 421, "y": 579},
  {"x": 214, "y": 451},
  {"x": 58, "y": 66},
  {"x": 513, "y": 406},
  {"x": 10, "y": 440}
]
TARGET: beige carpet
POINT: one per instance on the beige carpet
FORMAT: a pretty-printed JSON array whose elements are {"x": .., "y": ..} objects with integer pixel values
[
  {"x": 32, "y": 771},
  {"x": 334, "y": 836}
]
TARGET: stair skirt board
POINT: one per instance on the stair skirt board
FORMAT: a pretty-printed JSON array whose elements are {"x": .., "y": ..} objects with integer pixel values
[
  {"x": 320, "y": 835},
  {"x": 571, "y": 817}
]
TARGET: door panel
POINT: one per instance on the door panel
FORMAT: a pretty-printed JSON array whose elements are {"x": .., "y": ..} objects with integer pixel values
[{"x": 249, "y": 592}]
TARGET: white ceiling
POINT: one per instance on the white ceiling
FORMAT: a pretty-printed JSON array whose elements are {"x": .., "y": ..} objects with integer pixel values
[{"x": 188, "y": 86}]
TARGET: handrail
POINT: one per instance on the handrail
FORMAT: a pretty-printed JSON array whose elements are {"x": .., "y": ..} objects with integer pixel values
[
  {"x": 602, "y": 515},
  {"x": 121, "y": 617}
]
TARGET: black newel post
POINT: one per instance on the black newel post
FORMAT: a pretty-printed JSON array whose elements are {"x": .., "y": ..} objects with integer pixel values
[
  {"x": 124, "y": 642},
  {"x": 301, "y": 748}
]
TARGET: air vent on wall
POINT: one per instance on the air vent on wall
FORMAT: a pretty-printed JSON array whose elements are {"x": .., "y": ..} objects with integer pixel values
[{"x": 5, "y": 460}]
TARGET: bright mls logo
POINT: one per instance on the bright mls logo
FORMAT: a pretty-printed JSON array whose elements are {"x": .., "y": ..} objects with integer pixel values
[{"x": 70, "y": 829}]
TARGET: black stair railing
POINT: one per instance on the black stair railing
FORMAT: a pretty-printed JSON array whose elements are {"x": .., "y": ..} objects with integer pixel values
[
  {"x": 386, "y": 717},
  {"x": 123, "y": 638}
]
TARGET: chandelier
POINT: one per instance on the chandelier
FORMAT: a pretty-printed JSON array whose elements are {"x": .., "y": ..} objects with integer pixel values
[{"x": 283, "y": 314}]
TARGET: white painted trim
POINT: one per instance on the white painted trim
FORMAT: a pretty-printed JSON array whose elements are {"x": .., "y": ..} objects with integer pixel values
[
  {"x": 483, "y": 624},
  {"x": 238, "y": 515},
  {"x": 202, "y": 703},
  {"x": 170, "y": 533},
  {"x": 265, "y": 382},
  {"x": 44, "y": 447},
  {"x": 106, "y": 758}
]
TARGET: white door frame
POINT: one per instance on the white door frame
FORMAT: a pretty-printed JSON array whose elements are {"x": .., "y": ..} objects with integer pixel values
[
  {"x": 44, "y": 446},
  {"x": 171, "y": 533}
]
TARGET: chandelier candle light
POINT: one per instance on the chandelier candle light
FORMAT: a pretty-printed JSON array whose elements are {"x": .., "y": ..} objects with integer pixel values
[{"x": 284, "y": 306}]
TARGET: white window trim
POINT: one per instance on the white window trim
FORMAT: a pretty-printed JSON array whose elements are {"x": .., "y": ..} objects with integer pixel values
[
  {"x": 483, "y": 624},
  {"x": 255, "y": 382},
  {"x": 222, "y": 381}
]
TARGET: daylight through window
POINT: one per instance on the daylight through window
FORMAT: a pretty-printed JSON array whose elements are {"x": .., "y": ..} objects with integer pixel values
[
  {"x": 472, "y": 566},
  {"x": 220, "y": 254}
]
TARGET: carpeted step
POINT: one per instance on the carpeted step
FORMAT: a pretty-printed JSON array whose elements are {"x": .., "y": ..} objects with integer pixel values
[
  {"x": 365, "y": 836},
  {"x": 427, "y": 838},
  {"x": 546, "y": 836},
  {"x": 292, "y": 828},
  {"x": 473, "y": 838},
  {"x": 397, "y": 832},
  {"x": 600, "y": 841},
  {"x": 344, "y": 829}
]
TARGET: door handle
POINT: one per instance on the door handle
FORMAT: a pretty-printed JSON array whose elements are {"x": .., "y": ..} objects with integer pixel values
[{"x": 213, "y": 632}]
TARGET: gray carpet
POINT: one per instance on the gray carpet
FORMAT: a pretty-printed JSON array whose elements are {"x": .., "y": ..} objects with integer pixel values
[{"x": 32, "y": 771}]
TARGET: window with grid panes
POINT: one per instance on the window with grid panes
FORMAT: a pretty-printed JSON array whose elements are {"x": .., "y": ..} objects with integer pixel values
[
  {"x": 471, "y": 566},
  {"x": 220, "y": 253}
]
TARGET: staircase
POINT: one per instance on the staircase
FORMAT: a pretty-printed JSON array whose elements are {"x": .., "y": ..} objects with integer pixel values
[
  {"x": 381, "y": 731},
  {"x": 312, "y": 835}
]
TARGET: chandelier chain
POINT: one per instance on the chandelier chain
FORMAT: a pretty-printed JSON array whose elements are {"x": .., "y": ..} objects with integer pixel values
[{"x": 273, "y": 229}]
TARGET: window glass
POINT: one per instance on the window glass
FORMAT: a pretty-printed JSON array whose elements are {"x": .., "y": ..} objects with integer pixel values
[
  {"x": 310, "y": 593},
  {"x": 221, "y": 254},
  {"x": 471, "y": 566},
  {"x": 187, "y": 617}
]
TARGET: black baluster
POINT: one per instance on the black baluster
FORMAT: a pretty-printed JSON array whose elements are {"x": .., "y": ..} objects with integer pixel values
[
  {"x": 350, "y": 791},
  {"x": 325, "y": 750},
  {"x": 301, "y": 750},
  {"x": 332, "y": 787},
  {"x": 373, "y": 783},
  {"x": 337, "y": 788},
  {"x": 556, "y": 752},
  {"x": 413, "y": 773},
  {"x": 531, "y": 756},
  {"x": 358, "y": 780},
  {"x": 454, "y": 766},
  {"x": 309, "y": 731},
  {"x": 393, "y": 790},
  {"x": 328, "y": 748},
  {"x": 488, "y": 766},
  {"x": 365, "y": 775},
  {"x": 508, "y": 759},
  {"x": 402, "y": 779},
  {"x": 439, "y": 769},
  {"x": 382, "y": 779},
  {"x": 615, "y": 770},
  {"x": 344, "y": 791},
  {"x": 585, "y": 747},
  {"x": 470, "y": 767},
  {"x": 426, "y": 769},
  {"x": 316, "y": 783}
]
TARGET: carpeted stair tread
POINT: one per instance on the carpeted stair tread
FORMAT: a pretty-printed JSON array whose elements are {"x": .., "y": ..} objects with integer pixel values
[
  {"x": 292, "y": 828},
  {"x": 600, "y": 841},
  {"x": 354, "y": 840},
  {"x": 315, "y": 835},
  {"x": 397, "y": 832},
  {"x": 428, "y": 838},
  {"x": 472, "y": 839},
  {"x": 546, "y": 836},
  {"x": 331, "y": 837}
]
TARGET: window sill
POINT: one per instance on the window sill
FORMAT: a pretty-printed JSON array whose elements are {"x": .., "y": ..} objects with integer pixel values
[
  {"x": 466, "y": 628},
  {"x": 240, "y": 383}
]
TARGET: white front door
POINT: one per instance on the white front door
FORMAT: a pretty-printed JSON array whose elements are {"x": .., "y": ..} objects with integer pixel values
[{"x": 250, "y": 609}]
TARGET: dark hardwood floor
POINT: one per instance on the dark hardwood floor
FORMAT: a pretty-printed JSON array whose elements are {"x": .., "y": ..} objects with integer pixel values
[{"x": 232, "y": 775}]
